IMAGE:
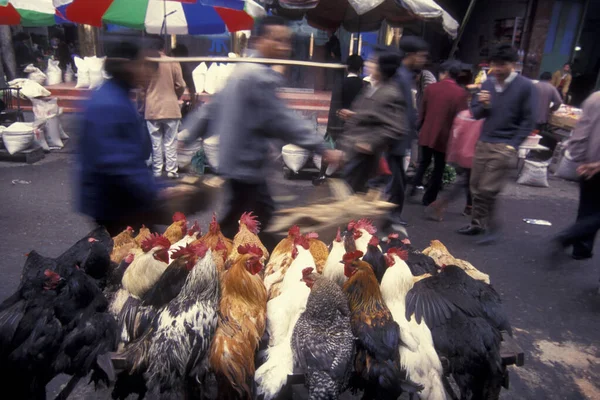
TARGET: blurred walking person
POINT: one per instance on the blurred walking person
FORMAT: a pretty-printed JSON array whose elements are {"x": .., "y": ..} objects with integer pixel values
[
  {"x": 115, "y": 188},
  {"x": 507, "y": 102},
  {"x": 442, "y": 101},
  {"x": 548, "y": 101},
  {"x": 376, "y": 121},
  {"x": 584, "y": 147},
  {"x": 163, "y": 114},
  {"x": 415, "y": 52}
]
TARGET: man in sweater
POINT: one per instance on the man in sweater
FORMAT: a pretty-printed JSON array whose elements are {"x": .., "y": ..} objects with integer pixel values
[
  {"x": 507, "y": 102},
  {"x": 163, "y": 114}
]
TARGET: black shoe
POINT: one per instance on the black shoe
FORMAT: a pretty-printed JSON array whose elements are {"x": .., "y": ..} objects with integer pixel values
[
  {"x": 319, "y": 180},
  {"x": 580, "y": 257},
  {"x": 471, "y": 230}
]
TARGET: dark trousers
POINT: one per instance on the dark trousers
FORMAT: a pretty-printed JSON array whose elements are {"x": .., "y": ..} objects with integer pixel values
[
  {"x": 435, "y": 182},
  {"x": 397, "y": 185},
  {"x": 582, "y": 234},
  {"x": 491, "y": 165},
  {"x": 246, "y": 197},
  {"x": 462, "y": 184},
  {"x": 359, "y": 170}
]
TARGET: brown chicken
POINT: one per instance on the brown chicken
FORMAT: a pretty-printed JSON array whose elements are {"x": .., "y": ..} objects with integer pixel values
[
  {"x": 242, "y": 322},
  {"x": 279, "y": 262},
  {"x": 124, "y": 243},
  {"x": 142, "y": 235},
  {"x": 248, "y": 234},
  {"x": 377, "y": 364},
  {"x": 123, "y": 238},
  {"x": 214, "y": 235},
  {"x": 442, "y": 257},
  {"x": 319, "y": 251},
  {"x": 177, "y": 230}
]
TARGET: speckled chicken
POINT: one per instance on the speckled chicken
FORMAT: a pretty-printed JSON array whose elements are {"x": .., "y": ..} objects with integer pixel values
[{"x": 322, "y": 341}]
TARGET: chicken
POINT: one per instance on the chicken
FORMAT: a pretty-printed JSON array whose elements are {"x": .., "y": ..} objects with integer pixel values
[
  {"x": 177, "y": 230},
  {"x": 178, "y": 353},
  {"x": 242, "y": 322},
  {"x": 417, "y": 353},
  {"x": 322, "y": 341},
  {"x": 190, "y": 236},
  {"x": 219, "y": 254},
  {"x": 279, "y": 262},
  {"x": 135, "y": 320},
  {"x": 319, "y": 251},
  {"x": 440, "y": 254},
  {"x": 419, "y": 263},
  {"x": 248, "y": 234},
  {"x": 466, "y": 319},
  {"x": 124, "y": 242},
  {"x": 362, "y": 231},
  {"x": 124, "y": 237},
  {"x": 334, "y": 268},
  {"x": 142, "y": 235},
  {"x": 282, "y": 314},
  {"x": 377, "y": 365},
  {"x": 147, "y": 266},
  {"x": 214, "y": 235},
  {"x": 374, "y": 257}
]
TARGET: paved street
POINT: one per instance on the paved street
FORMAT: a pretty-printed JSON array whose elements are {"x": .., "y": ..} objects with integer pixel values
[{"x": 554, "y": 309}]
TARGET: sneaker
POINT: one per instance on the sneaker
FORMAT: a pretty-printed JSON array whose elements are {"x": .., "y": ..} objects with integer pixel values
[{"x": 173, "y": 175}]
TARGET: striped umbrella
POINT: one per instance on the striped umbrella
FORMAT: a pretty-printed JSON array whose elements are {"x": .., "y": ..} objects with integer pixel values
[
  {"x": 182, "y": 17},
  {"x": 29, "y": 13}
]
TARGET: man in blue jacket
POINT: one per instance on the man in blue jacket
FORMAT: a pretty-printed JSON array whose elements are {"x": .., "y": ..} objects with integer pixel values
[
  {"x": 506, "y": 101},
  {"x": 116, "y": 188}
]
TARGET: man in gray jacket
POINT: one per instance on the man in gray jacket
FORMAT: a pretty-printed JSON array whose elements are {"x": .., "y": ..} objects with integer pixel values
[{"x": 245, "y": 114}]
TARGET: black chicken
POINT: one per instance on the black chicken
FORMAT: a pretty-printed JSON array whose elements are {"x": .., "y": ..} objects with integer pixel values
[
  {"x": 375, "y": 258},
  {"x": 322, "y": 341},
  {"x": 418, "y": 262},
  {"x": 465, "y": 317}
]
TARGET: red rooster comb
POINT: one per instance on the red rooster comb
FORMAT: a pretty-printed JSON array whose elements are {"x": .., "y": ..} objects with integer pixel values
[
  {"x": 302, "y": 240},
  {"x": 405, "y": 241},
  {"x": 352, "y": 256},
  {"x": 194, "y": 229},
  {"x": 155, "y": 240},
  {"x": 214, "y": 225},
  {"x": 312, "y": 235},
  {"x": 251, "y": 222},
  {"x": 220, "y": 245},
  {"x": 374, "y": 241},
  {"x": 129, "y": 258},
  {"x": 52, "y": 279},
  {"x": 351, "y": 225},
  {"x": 250, "y": 249},
  {"x": 402, "y": 254},
  {"x": 178, "y": 216},
  {"x": 92, "y": 240},
  {"x": 338, "y": 236},
  {"x": 294, "y": 231},
  {"x": 129, "y": 229},
  {"x": 393, "y": 236},
  {"x": 306, "y": 272},
  {"x": 367, "y": 225},
  {"x": 198, "y": 250}
]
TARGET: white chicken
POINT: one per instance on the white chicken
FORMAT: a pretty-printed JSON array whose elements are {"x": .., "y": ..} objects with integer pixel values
[
  {"x": 362, "y": 230},
  {"x": 334, "y": 268},
  {"x": 148, "y": 266},
  {"x": 192, "y": 234},
  {"x": 417, "y": 353},
  {"x": 282, "y": 314}
]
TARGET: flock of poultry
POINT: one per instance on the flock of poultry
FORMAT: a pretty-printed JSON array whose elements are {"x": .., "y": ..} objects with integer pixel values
[{"x": 182, "y": 308}]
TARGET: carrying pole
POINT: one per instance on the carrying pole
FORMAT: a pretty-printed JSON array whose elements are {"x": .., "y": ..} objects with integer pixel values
[{"x": 462, "y": 27}]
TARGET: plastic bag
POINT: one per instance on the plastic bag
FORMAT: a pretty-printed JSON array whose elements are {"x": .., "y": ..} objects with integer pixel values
[
  {"x": 44, "y": 108},
  {"x": 199, "y": 77},
  {"x": 463, "y": 138},
  {"x": 96, "y": 70},
  {"x": 534, "y": 174},
  {"x": 567, "y": 168},
  {"x": 18, "y": 137},
  {"x": 83, "y": 73},
  {"x": 69, "y": 74},
  {"x": 29, "y": 88},
  {"x": 54, "y": 73},
  {"x": 52, "y": 131},
  {"x": 35, "y": 74},
  {"x": 294, "y": 157}
]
